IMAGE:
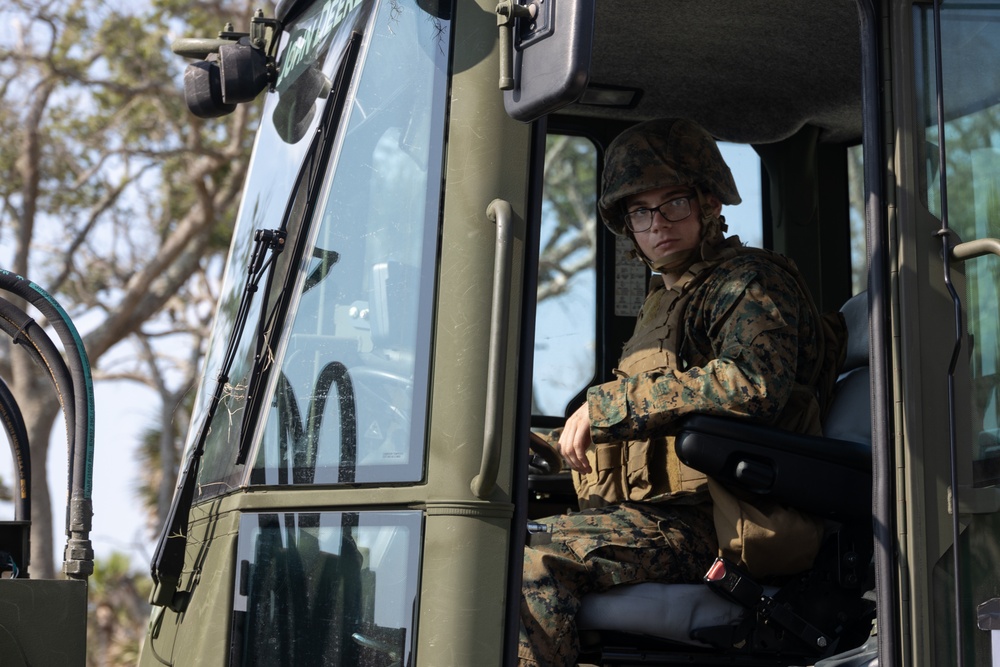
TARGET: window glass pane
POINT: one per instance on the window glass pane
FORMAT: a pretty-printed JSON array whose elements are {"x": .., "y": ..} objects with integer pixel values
[
  {"x": 859, "y": 242},
  {"x": 566, "y": 318},
  {"x": 971, "y": 40},
  {"x": 326, "y": 588},
  {"x": 312, "y": 51},
  {"x": 351, "y": 394},
  {"x": 970, "y": 58},
  {"x": 744, "y": 220}
]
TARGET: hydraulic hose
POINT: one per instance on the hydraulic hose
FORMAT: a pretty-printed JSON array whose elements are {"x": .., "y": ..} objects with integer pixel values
[
  {"x": 24, "y": 331},
  {"x": 17, "y": 436},
  {"x": 333, "y": 373},
  {"x": 78, "y": 558}
]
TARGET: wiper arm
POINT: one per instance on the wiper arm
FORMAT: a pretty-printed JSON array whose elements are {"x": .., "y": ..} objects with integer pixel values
[{"x": 168, "y": 560}]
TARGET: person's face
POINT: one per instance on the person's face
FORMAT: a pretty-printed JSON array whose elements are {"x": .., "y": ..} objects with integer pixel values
[{"x": 665, "y": 237}]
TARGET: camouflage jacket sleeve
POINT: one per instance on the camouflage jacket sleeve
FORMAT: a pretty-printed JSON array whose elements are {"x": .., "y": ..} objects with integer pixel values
[{"x": 749, "y": 314}]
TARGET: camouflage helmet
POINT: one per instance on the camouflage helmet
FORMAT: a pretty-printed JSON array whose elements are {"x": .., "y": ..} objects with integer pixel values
[{"x": 658, "y": 154}]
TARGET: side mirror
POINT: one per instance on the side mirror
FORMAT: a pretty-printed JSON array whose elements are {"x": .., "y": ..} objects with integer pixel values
[
  {"x": 203, "y": 89},
  {"x": 245, "y": 70},
  {"x": 235, "y": 67},
  {"x": 545, "y": 54}
]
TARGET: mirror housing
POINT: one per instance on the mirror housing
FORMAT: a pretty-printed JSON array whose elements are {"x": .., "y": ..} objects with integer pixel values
[
  {"x": 203, "y": 89},
  {"x": 551, "y": 56},
  {"x": 245, "y": 71},
  {"x": 234, "y": 68}
]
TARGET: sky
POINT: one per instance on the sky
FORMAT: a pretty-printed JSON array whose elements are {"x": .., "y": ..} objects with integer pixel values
[{"x": 122, "y": 411}]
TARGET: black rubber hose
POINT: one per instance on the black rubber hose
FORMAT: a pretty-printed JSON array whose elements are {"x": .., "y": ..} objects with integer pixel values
[
  {"x": 78, "y": 560},
  {"x": 17, "y": 436},
  {"x": 289, "y": 425},
  {"x": 333, "y": 373},
  {"x": 24, "y": 331}
]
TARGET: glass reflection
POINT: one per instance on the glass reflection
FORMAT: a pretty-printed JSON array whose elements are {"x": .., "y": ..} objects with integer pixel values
[{"x": 326, "y": 589}]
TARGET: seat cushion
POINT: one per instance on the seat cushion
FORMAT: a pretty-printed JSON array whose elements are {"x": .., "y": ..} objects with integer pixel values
[
  {"x": 668, "y": 611},
  {"x": 855, "y": 312}
]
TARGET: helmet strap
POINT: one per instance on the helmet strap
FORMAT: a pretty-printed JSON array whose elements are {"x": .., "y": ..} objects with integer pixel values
[{"x": 678, "y": 262}]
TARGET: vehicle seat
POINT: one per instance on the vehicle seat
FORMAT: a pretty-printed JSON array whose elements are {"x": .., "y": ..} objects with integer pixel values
[{"x": 829, "y": 476}]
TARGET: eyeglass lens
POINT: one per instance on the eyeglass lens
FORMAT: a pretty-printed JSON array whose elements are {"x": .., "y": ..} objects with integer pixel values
[{"x": 641, "y": 219}]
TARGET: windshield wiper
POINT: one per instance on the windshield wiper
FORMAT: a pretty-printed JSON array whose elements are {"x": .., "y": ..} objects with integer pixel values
[{"x": 168, "y": 559}]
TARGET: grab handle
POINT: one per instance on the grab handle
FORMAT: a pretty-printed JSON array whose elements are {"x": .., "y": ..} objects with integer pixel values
[
  {"x": 975, "y": 248},
  {"x": 500, "y": 212}
]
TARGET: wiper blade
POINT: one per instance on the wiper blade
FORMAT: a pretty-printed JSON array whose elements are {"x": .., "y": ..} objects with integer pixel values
[{"x": 169, "y": 556}]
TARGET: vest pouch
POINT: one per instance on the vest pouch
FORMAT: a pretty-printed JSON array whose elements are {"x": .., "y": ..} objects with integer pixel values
[
  {"x": 762, "y": 536},
  {"x": 603, "y": 485},
  {"x": 654, "y": 472},
  {"x": 638, "y": 468}
]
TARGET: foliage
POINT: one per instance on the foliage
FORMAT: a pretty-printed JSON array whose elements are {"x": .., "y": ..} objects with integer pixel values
[
  {"x": 114, "y": 197},
  {"x": 159, "y": 452},
  {"x": 116, "y": 622},
  {"x": 570, "y": 205},
  {"x": 120, "y": 203}
]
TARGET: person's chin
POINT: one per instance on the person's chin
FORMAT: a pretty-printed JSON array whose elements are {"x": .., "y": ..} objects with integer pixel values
[{"x": 669, "y": 253}]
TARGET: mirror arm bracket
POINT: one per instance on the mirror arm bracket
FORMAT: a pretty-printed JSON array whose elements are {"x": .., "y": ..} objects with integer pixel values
[{"x": 508, "y": 11}]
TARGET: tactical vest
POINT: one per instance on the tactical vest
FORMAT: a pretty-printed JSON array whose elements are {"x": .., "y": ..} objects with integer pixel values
[{"x": 650, "y": 470}]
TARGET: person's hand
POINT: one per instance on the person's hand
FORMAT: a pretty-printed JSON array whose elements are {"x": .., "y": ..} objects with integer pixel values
[{"x": 575, "y": 440}]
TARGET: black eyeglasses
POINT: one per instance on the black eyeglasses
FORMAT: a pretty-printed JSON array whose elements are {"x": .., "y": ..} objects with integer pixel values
[{"x": 672, "y": 210}]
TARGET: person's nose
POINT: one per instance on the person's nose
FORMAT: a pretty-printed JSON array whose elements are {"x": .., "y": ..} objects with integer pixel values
[{"x": 660, "y": 220}]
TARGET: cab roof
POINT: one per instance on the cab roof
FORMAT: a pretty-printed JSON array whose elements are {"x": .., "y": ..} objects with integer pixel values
[{"x": 748, "y": 71}]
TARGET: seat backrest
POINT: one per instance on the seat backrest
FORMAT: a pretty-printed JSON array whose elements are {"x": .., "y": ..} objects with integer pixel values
[
  {"x": 829, "y": 476},
  {"x": 849, "y": 416}
]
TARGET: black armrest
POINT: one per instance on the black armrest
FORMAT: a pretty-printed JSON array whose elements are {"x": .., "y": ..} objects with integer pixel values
[{"x": 831, "y": 478}]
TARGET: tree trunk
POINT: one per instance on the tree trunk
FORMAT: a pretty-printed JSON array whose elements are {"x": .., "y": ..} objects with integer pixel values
[
  {"x": 39, "y": 407},
  {"x": 168, "y": 460}
]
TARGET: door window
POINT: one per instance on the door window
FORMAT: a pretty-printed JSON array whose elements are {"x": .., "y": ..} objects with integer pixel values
[
  {"x": 746, "y": 219},
  {"x": 970, "y": 58},
  {"x": 971, "y": 35},
  {"x": 326, "y": 588},
  {"x": 566, "y": 318}
]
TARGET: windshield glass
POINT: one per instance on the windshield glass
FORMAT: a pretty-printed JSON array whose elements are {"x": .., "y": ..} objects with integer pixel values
[
  {"x": 350, "y": 398},
  {"x": 310, "y": 53}
]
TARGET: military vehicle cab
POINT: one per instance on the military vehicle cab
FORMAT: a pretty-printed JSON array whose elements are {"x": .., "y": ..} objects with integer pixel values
[{"x": 419, "y": 281}]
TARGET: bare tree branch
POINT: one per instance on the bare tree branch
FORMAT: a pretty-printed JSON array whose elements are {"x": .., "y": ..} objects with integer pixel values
[{"x": 126, "y": 188}]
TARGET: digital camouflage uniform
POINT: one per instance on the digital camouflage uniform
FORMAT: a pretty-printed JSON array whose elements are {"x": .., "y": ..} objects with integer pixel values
[{"x": 736, "y": 335}]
